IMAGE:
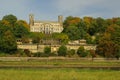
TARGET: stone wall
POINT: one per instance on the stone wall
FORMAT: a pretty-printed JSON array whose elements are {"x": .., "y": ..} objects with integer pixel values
[{"x": 54, "y": 48}]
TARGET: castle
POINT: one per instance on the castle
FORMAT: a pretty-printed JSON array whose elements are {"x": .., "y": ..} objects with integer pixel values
[
  {"x": 46, "y": 27},
  {"x": 49, "y": 27}
]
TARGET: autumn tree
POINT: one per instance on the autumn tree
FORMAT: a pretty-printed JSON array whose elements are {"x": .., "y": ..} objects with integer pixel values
[
  {"x": 109, "y": 43},
  {"x": 71, "y": 21}
]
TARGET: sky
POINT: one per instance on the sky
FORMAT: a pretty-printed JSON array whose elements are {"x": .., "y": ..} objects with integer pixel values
[{"x": 50, "y": 9}]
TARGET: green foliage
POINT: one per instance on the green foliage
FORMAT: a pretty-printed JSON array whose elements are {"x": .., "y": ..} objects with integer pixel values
[
  {"x": 88, "y": 39},
  {"x": 7, "y": 39},
  {"x": 36, "y": 37},
  {"x": 63, "y": 38},
  {"x": 100, "y": 25},
  {"x": 73, "y": 32},
  {"x": 81, "y": 52},
  {"x": 20, "y": 31},
  {"x": 37, "y": 54},
  {"x": 3, "y": 28},
  {"x": 27, "y": 52},
  {"x": 71, "y": 21},
  {"x": 105, "y": 31},
  {"x": 84, "y": 54},
  {"x": 8, "y": 42},
  {"x": 62, "y": 51},
  {"x": 118, "y": 53},
  {"x": 44, "y": 55},
  {"x": 25, "y": 39},
  {"x": 47, "y": 50},
  {"x": 92, "y": 53},
  {"x": 71, "y": 52},
  {"x": 20, "y": 53},
  {"x": 10, "y": 18},
  {"x": 106, "y": 47},
  {"x": 109, "y": 43},
  {"x": 53, "y": 54},
  {"x": 115, "y": 34},
  {"x": 23, "y": 23}
]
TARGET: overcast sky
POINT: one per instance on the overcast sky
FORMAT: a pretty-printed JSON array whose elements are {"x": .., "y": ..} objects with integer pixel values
[{"x": 50, "y": 9}]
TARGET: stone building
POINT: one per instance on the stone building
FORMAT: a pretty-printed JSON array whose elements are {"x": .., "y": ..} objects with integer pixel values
[{"x": 46, "y": 27}]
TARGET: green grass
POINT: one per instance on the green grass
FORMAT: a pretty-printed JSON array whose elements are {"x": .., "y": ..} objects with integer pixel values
[
  {"x": 61, "y": 63},
  {"x": 58, "y": 74}
]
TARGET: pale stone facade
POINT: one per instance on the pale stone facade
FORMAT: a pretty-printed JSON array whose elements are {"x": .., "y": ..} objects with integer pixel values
[
  {"x": 32, "y": 47},
  {"x": 54, "y": 48},
  {"x": 46, "y": 27}
]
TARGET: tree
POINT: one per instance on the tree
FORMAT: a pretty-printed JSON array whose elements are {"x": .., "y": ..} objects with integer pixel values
[
  {"x": 115, "y": 33},
  {"x": 27, "y": 52},
  {"x": 62, "y": 51},
  {"x": 88, "y": 21},
  {"x": 71, "y": 21},
  {"x": 8, "y": 42},
  {"x": 92, "y": 53},
  {"x": 73, "y": 32},
  {"x": 81, "y": 52},
  {"x": 23, "y": 23},
  {"x": 88, "y": 39},
  {"x": 10, "y": 18},
  {"x": 106, "y": 47},
  {"x": 47, "y": 50},
  {"x": 71, "y": 52},
  {"x": 36, "y": 37},
  {"x": 7, "y": 39},
  {"x": 63, "y": 38},
  {"x": 19, "y": 30},
  {"x": 25, "y": 39},
  {"x": 118, "y": 53},
  {"x": 100, "y": 25}
]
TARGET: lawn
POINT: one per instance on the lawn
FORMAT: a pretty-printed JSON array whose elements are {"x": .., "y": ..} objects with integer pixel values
[
  {"x": 60, "y": 63},
  {"x": 58, "y": 74}
]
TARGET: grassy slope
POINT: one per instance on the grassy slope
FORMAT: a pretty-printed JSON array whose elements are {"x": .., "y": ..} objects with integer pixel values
[{"x": 58, "y": 74}]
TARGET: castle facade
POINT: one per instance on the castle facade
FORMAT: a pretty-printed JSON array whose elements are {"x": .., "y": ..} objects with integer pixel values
[{"x": 46, "y": 27}]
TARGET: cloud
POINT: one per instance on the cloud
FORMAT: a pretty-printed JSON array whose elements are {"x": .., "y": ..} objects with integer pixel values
[
  {"x": 103, "y": 8},
  {"x": 74, "y": 6},
  {"x": 50, "y": 9},
  {"x": 15, "y": 7}
]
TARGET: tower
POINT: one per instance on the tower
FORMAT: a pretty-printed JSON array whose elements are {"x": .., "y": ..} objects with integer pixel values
[
  {"x": 31, "y": 19},
  {"x": 60, "y": 19}
]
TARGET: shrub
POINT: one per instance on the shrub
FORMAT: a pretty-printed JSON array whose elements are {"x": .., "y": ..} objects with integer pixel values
[
  {"x": 62, "y": 51},
  {"x": 27, "y": 52},
  {"x": 81, "y": 52},
  {"x": 71, "y": 52},
  {"x": 53, "y": 54},
  {"x": 47, "y": 50},
  {"x": 44, "y": 55},
  {"x": 37, "y": 54}
]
